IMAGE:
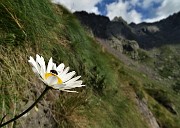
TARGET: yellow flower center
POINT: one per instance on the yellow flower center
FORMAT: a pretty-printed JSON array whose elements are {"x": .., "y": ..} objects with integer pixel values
[{"x": 47, "y": 75}]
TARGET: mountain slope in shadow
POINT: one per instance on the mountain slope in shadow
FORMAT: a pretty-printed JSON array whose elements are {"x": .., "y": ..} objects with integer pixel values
[{"x": 148, "y": 35}]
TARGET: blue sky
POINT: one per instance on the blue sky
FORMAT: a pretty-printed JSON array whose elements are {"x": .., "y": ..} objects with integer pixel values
[
  {"x": 102, "y": 6},
  {"x": 130, "y": 10}
]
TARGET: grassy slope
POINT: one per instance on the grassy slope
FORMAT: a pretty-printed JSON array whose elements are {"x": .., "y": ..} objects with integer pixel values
[{"x": 30, "y": 27}]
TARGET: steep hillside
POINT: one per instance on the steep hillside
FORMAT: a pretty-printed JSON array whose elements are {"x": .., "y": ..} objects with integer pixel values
[
  {"x": 114, "y": 96},
  {"x": 160, "y": 62}
]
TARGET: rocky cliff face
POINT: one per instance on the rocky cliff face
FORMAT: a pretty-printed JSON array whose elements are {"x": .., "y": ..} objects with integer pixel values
[
  {"x": 148, "y": 35},
  {"x": 102, "y": 27},
  {"x": 117, "y": 33}
]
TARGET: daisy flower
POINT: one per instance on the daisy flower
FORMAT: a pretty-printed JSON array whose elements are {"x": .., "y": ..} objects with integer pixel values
[{"x": 54, "y": 76}]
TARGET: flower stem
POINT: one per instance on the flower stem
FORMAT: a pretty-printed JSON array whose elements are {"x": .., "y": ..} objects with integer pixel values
[{"x": 28, "y": 109}]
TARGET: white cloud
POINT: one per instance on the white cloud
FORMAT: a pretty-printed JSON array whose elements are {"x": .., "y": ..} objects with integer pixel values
[
  {"x": 125, "y": 10},
  {"x": 148, "y": 3},
  {"x": 134, "y": 16},
  {"x": 134, "y": 2},
  {"x": 151, "y": 20},
  {"x": 168, "y": 7},
  {"x": 79, "y": 5}
]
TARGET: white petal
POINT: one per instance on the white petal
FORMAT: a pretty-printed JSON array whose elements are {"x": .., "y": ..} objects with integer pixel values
[
  {"x": 43, "y": 67},
  {"x": 75, "y": 86},
  {"x": 42, "y": 73},
  {"x": 64, "y": 72},
  {"x": 79, "y": 82},
  {"x": 72, "y": 80},
  {"x": 38, "y": 75},
  {"x": 54, "y": 66},
  {"x": 58, "y": 86},
  {"x": 33, "y": 63},
  {"x": 68, "y": 76},
  {"x": 38, "y": 60},
  {"x": 35, "y": 71},
  {"x": 52, "y": 80},
  {"x": 50, "y": 64},
  {"x": 65, "y": 87},
  {"x": 43, "y": 64},
  {"x": 60, "y": 68},
  {"x": 69, "y": 91}
]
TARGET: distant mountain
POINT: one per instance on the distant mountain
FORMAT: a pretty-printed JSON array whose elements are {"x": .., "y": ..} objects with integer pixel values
[
  {"x": 148, "y": 35},
  {"x": 155, "y": 34}
]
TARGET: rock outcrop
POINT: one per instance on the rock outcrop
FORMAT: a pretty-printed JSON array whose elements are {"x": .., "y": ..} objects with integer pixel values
[{"x": 149, "y": 117}]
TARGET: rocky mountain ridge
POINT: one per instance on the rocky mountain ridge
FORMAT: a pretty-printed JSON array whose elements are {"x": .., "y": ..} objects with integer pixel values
[
  {"x": 117, "y": 33},
  {"x": 148, "y": 35}
]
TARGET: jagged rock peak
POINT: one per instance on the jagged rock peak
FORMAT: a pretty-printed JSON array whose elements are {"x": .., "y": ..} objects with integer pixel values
[{"x": 119, "y": 19}]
